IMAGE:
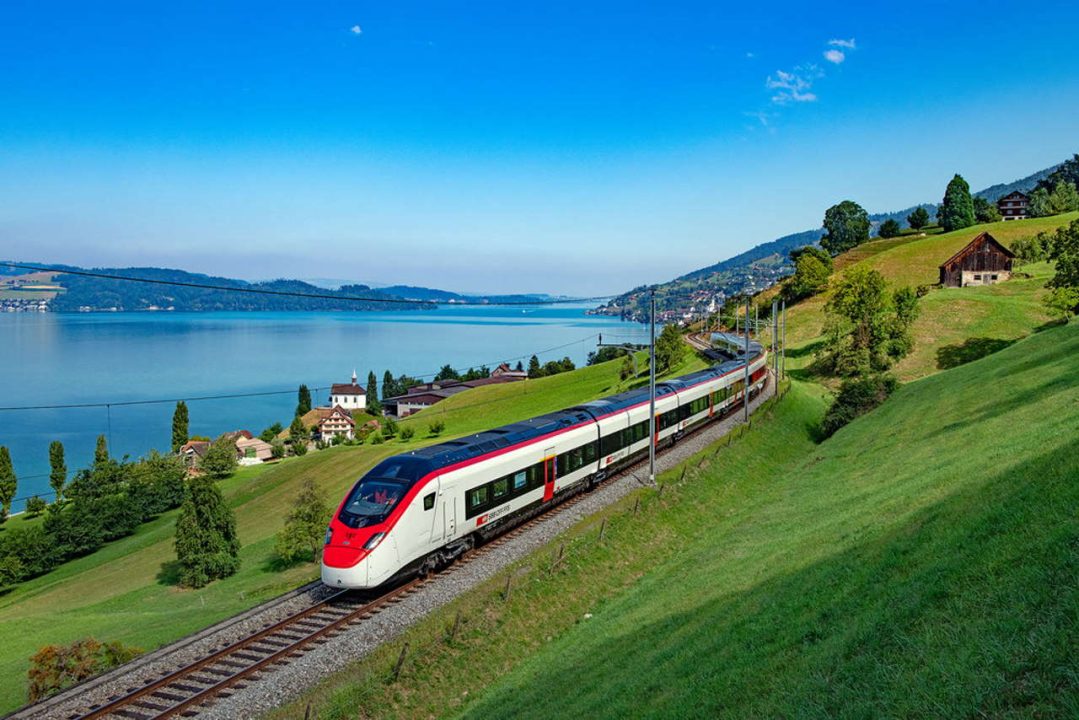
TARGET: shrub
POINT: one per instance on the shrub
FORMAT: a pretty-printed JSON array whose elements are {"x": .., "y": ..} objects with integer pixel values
[
  {"x": 436, "y": 427},
  {"x": 305, "y": 525},
  {"x": 389, "y": 428},
  {"x": 220, "y": 459},
  {"x": 407, "y": 432},
  {"x": 856, "y": 397},
  {"x": 55, "y": 667},
  {"x": 35, "y": 506},
  {"x": 377, "y": 439},
  {"x": 278, "y": 449}
]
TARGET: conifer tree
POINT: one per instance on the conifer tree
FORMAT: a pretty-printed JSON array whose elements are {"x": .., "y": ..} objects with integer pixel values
[
  {"x": 303, "y": 401},
  {"x": 535, "y": 370},
  {"x": 206, "y": 544},
  {"x": 7, "y": 483},
  {"x": 101, "y": 451},
  {"x": 179, "y": 426},
  {"x": 373, "y": 405},
  {"x": 57, "y": 469},
  {"x": 957, "y": 210},
  {"x": 389, "y": 385},
  {"x": 305, "y": 525},
  {"x": 919, "y": 218}
]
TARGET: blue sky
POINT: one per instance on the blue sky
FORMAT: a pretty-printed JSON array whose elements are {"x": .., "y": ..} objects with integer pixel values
[{"x": 559, "y": 146}]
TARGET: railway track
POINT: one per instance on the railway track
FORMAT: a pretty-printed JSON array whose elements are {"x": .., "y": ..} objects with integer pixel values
[
  {"x": 219, "y": 673},
  {"x": 180, "y": 693}
]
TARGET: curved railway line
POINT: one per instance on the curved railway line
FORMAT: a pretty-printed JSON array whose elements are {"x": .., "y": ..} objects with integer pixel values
[{"x": 231, "y": 667}]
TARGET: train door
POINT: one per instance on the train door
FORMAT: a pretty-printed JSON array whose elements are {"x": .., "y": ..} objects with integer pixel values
[
  {"x": 449, "y": 515},
  {"x": 548, "y": 474}
]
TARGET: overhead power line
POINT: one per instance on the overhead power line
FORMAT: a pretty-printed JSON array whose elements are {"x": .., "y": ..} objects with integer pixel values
[
  {"x": 292, "y": 293},
  {"x": 268, "y": 393}
]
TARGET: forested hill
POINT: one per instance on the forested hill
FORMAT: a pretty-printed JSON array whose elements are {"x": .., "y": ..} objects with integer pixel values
[
  {"x": 761, "y": 265},
  {"x": 91, "y": 293}
]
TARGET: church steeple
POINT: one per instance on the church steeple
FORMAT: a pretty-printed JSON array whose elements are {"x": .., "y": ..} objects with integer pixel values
[{"x": 353, "y": 376}]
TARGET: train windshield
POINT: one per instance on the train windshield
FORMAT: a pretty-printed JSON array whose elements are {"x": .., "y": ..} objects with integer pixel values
[{"x": 372, "y": 500}]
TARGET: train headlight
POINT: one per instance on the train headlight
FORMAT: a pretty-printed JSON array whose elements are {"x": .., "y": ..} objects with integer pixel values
[
  {"x": 329, "y": 536},
  {"x": 373, "y": 542}
]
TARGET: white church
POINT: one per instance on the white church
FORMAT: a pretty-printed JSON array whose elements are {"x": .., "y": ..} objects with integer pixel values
[{"x": 350, "y": 396}]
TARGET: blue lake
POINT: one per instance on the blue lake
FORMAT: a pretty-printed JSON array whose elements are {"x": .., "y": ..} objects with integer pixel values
[{"x": 62, "y": 359}]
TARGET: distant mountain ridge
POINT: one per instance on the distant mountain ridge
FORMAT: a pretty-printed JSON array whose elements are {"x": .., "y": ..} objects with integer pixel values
[{"x": 763, "y": 264}]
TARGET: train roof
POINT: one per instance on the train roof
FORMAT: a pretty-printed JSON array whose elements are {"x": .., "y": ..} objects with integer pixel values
[
  {"x": 444, "y": 454},
  {"x": 623, "y": 400}
]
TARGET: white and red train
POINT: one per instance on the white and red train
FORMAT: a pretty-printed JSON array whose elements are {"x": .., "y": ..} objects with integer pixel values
[{"x": 417, "y": 511}]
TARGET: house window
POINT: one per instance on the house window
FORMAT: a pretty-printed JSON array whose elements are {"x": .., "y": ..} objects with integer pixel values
[
  {"x": 994, "y": 277},
  {"x": 977, "y": 277}
]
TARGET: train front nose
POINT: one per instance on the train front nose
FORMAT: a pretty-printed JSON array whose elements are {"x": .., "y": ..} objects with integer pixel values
[{"x": 344, "y": 566}]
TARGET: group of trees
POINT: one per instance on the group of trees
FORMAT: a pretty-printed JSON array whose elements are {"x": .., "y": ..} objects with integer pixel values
[
  {"x": 552, "y": 367},
  {"x": 1061, "y": 247},
  {"x": 1057, "y": 193},
  {"x": 103, "y": 502},
  {"x": 394, "y": 386}
]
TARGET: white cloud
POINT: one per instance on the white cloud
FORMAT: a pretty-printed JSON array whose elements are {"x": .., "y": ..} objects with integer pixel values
[
  {"x": 793, "y": 86},
  {"x": 834, "y": 56},
  {"x": 750, "y": 56},
  {"x": 356, "y": 30},
  {"x": 848, "y": 44}
]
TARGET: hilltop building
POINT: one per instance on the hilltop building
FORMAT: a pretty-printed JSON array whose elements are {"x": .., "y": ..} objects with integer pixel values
[
  {"x": 350, "y": 396},
  {"x": 424, "y": 396},
  {"x": 1013, "y": 206},
  {"x": 984, "y": 261}
]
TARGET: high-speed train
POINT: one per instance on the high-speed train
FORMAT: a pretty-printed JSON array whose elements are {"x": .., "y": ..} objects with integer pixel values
[{"x": 417, "y": 511}]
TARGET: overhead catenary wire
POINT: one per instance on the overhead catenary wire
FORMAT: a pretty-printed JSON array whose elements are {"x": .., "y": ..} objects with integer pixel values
[{"x": 389, "y": 300}]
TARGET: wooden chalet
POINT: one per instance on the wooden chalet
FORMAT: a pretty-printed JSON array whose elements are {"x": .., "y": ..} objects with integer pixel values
[
  {"x": 1013, "y": 206},
  {"x": 984, "y": 261}
]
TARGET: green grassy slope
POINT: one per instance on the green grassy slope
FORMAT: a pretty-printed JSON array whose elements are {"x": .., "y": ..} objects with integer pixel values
[
  {"x": 127, "y": 590},
  {"x": 986, "y": 317},
  {"x": 924, "y": 562}
]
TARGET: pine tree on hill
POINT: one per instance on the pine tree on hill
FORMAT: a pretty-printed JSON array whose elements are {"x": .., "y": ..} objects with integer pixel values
[
  {"x": 179, "y": 426},
  {"x": 957, "y": 210},
  {"x": 206, "y": 544},
  {"x": 8, "y": 483},
  {"x": 373, "y": 405},
  {"x": 918, "y": 219},
  {"x": 57, "y": 469},
  {"x": 303, "y": 401},
  {"x": 101, "y": 451}
]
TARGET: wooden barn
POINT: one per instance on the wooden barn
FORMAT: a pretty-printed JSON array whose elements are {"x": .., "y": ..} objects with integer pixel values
[{"x": 983, "y": 261}]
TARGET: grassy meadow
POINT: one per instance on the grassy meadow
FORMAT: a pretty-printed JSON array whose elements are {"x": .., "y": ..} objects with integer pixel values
[
  {"x": 920, "y": 563},
  {"x": 128, "y": 591}
]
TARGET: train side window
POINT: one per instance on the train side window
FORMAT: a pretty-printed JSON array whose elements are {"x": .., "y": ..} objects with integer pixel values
[
  {"x": 501, "y": 487},
  {"x": 428, "y": 501},
  {"x": 520, "y": 480},
  {"x": 590, "y": 453},
  {"x": 477, "y": 496}
]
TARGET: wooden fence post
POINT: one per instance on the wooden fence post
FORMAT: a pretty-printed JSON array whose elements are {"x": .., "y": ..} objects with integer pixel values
[
  {"x": 506, "y": 592},
  {"x": 400, "y": 661},
  {"x": 456, "y": 625},
  {"x": 636, "y": 506},
  {"x": 602, "y": 529}
]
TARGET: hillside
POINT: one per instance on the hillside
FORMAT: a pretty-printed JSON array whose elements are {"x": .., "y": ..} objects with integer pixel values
[
  {"x": 127, "y": 591},
  {"x": 745, "y": 272},
  {"x": 954, "y": 324},
  {"x": 922, "y": 560}
]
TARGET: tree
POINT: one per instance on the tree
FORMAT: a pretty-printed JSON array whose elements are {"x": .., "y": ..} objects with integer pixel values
[
  {"x": 206, "y": 544},
  {"x": 889, "y": 229},
  {"x": 519, "y": 367},
  {"x": 220, "y": 458},
  {"x": 57, "y": 469},
  {"x": 373, "y": 405},
  {"x": 846, "y": 226},
  {"x": 305, "y": 525},
  {"x": 957, "y": 210},
  {"x": 389, "y": 428},
  {"x": 628, "y": 368},
  {"x": 670, "y": 348},
  {"x": 389, "y": 386},
  {"x": 436, "y": 427},
  {"x": 812, "y": 267},
  {"x": 918, "y": 219},
  {"x": 35, "y": 506},
  {"x": 101, "y": 451},
  {"x": 179, "y": 426},
  {"x": 303, "y": 401},
  {"x": 1064, "y": 286},
  {"x": 407, "y": 432},
  {"x": 856, "y": 397},
  {"x": 985, "y": 211},
  {"x": 447, "y": 373},
  {"x": 534, "y": 368},
  {"x": 270, "y": 434},
  {"x": 1039, "y": 205},
  {"x": 1064, "y": 198},
  {"x": 298, "y": 436},
  {"x": 8, "y": 483}
]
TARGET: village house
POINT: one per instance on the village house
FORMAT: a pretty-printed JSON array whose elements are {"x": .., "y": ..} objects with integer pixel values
[
  {"x": 350, "y": 396},
  {"x": 252, "y": 451},
  {"x": 984, "y": 261},
  {"x": 1013, "y": 206},
  {"x": 337, "y": 422},
  {"x": 192, "y": 452},
  {"x": 505, "y": 371}
]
